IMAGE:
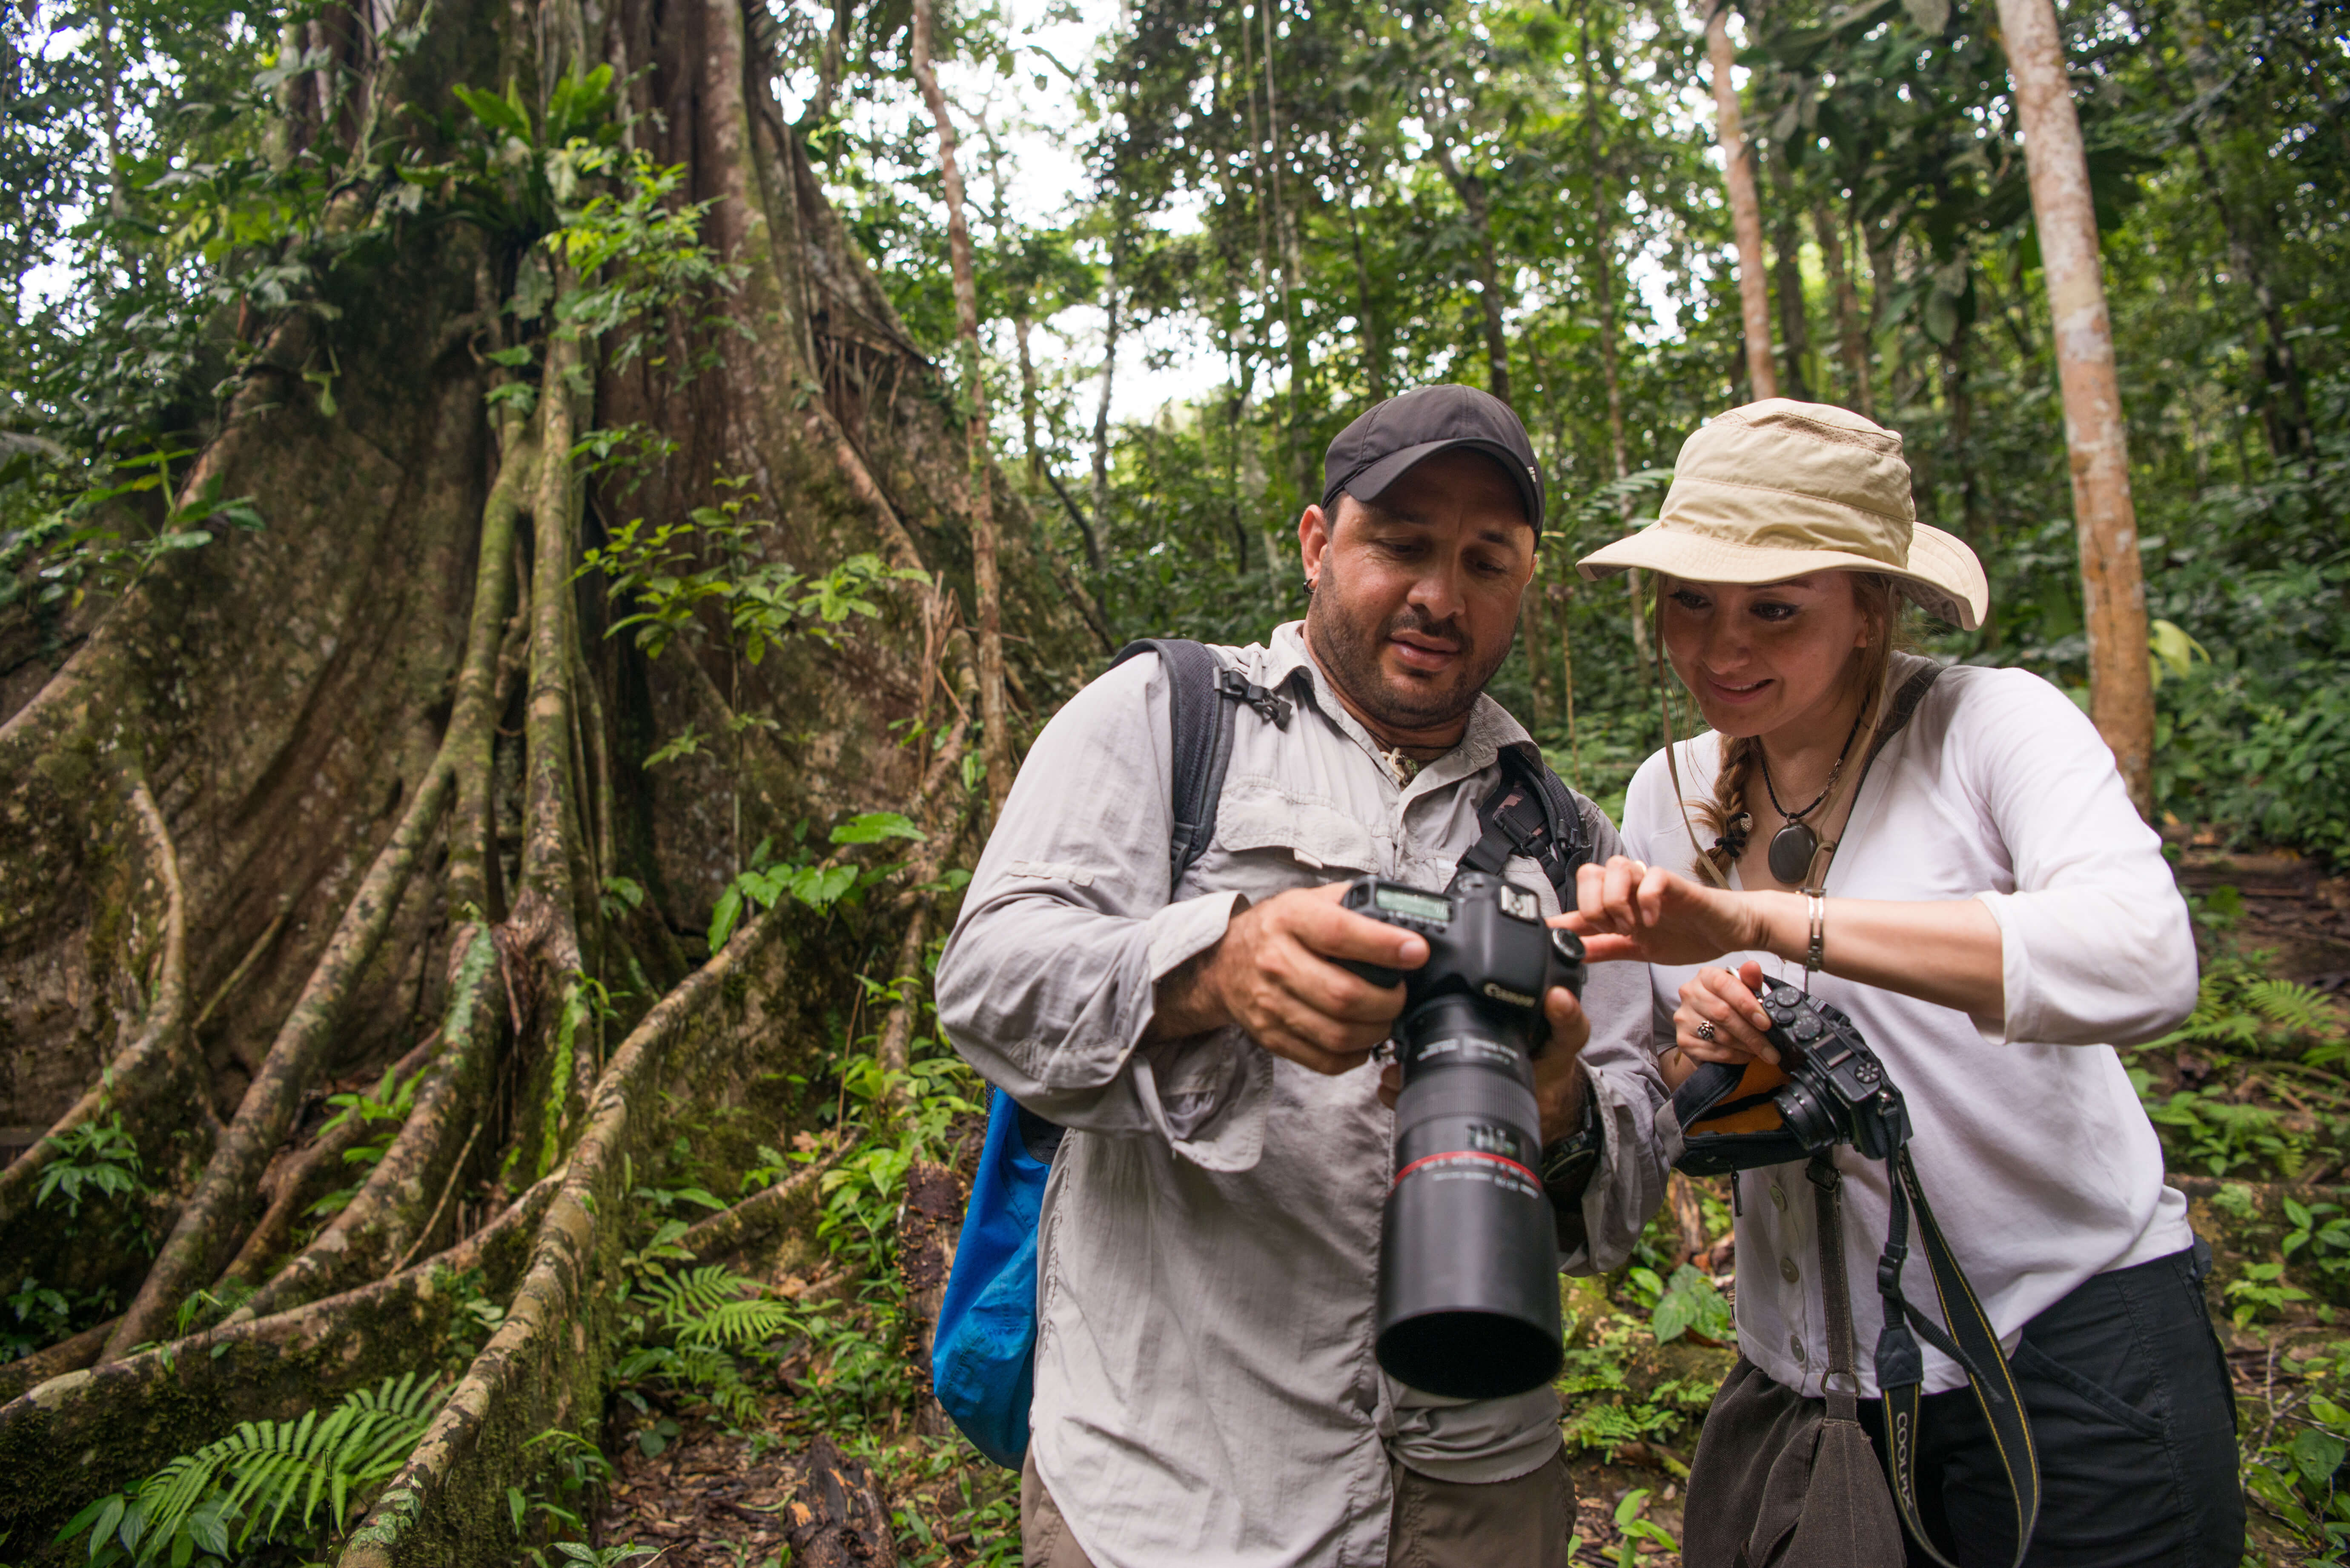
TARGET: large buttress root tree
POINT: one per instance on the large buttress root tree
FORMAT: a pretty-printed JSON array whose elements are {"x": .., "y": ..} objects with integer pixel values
[{"x": 370, "y": 786}]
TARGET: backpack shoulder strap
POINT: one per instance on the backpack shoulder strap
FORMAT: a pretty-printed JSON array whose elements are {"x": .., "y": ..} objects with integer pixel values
[
  {"x": 1202, "y": 692},
  {"x": 1530, "y": 812}
]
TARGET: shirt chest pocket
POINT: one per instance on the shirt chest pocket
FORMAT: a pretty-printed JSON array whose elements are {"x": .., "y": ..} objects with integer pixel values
[{"x": 1267, "y": 842}]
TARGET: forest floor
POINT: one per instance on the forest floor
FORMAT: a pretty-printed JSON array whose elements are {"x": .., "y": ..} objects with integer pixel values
[{"x": 707, "y": 1492}]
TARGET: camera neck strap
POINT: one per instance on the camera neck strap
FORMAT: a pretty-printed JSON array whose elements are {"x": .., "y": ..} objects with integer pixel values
[
  {"x": 1971, "y": 1341},
  {"x": 1530, "y": 814}
]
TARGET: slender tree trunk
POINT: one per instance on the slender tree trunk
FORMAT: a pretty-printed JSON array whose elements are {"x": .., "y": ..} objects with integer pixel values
[
  {"x": 1851, "y": 342},
  {"x": 2284, "y": 406},
  {"x": 1604, "y": 294},
  {"x": 1794, "y": 317},
  {"x": 1470, "y": 189},
  {"x": 1108, "y": 371},
  {"x": 1530, "y": 624},
  {"x": 1959, "y": 401},
  {"x": 108, "y": 110},
  {"x": 2121, "y": 691},
  {"x": 1563, "y": 594},
  {"x": 1284, "y": 226},
  {"x": 1375, "y": 354},
  {"x": 1746, "y": 209},
  {"x": 997, "y": 740},
  {"x": 831, "y": 62},
  {"x": 1021, "y": 325}
]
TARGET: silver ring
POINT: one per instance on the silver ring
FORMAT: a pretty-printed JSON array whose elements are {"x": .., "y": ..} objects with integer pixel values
[{"x": 1705, "y": 1031}]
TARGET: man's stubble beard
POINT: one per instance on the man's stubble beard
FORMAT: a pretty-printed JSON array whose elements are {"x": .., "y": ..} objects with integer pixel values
[{"x": 1348, "y": 647}]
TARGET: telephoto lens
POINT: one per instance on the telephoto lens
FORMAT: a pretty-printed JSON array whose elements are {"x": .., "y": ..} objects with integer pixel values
[{"x": 1468, "y": 1298}]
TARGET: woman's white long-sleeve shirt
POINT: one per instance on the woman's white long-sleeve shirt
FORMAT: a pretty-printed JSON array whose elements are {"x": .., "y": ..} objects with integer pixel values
[{"x": 2030, "y": 1142}]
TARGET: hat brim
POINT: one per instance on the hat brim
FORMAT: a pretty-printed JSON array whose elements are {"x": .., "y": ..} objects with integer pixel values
[
  {"x": 1368, "y": 485},
  {"x": 1943, "y": 576}
]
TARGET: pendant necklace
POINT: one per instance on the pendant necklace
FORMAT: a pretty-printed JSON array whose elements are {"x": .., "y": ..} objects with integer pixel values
[{"x": 1795, "y": 843}]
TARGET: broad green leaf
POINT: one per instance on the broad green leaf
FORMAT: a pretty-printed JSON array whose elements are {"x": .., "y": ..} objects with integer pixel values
[
  {"x": 873, "y": 827},
  {"x": 2317, "y": 1455},
  {"x": 497, "y": 113}
]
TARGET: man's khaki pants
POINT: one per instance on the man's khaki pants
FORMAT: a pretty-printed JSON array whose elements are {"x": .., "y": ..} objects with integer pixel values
[{"x": 1436, "y": 1524}]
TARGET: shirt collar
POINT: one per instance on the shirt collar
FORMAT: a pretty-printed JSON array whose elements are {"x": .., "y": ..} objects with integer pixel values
[{"x": 1490, "y": 728}]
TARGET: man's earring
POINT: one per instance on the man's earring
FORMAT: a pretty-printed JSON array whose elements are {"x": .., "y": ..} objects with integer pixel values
[{"x": 1309, "y": 585}]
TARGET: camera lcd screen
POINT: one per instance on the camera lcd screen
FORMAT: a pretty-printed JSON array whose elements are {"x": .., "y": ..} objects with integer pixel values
[{"x": 1418, "y": 906}]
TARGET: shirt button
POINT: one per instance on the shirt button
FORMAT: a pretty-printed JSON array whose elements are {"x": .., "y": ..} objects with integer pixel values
[
  {"x": 1787, "y": 1270},
  {"x": 1778, "y": 1197},
  {"x": 1795, "y": 1347}
]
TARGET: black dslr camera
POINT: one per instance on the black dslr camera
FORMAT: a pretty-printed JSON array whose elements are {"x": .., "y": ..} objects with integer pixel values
[
  {"x": 1828, "y": 1088},
  {"x": 1469, "y": 1256}
]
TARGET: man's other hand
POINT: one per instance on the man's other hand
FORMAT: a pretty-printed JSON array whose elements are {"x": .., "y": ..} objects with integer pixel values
[
  {"x": 1273, "y": 973},
  {"x": 1559, "y": 1085}
]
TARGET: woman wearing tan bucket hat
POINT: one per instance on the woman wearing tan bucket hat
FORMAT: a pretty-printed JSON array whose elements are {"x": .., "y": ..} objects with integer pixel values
[{"x": 1949, "y": 858}]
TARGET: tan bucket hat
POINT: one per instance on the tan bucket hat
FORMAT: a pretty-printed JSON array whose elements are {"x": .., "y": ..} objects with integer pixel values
[{"x": 1779, "y": 488}]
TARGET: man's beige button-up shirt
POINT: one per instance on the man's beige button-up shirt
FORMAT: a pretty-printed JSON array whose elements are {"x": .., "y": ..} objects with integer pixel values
[{"x": 1206, "y": 1391}]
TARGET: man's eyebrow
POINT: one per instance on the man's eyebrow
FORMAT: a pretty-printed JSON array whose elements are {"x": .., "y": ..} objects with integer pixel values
[{"x": 1380, "y": 514}]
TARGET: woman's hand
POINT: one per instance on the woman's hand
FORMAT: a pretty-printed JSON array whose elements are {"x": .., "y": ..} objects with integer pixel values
[
  {"x": 1718, "y": 1020},
  {"x": 1626, "y": 909}
]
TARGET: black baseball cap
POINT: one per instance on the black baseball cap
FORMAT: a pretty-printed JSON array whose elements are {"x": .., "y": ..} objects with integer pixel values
[{"x": 1376, "y": 450}]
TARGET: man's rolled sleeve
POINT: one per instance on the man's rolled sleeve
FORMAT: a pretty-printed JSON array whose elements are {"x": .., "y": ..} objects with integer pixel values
[
  {"x": 1640, "y": 1139},
  {"x": 1049, "y": 981}
]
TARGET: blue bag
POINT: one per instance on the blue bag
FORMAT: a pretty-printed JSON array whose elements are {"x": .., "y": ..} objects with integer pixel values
[{"x": 984, "y": 1356}]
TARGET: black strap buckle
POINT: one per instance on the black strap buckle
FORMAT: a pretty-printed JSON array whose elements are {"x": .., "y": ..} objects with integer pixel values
[{"x": 1271, "y": 706}]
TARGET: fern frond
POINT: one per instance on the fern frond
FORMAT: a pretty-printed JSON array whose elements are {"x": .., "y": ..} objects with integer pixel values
[
  {"x": 739, "y": 1323},
  {"x": 262, "y": 1470},
  {"x": 684, "y": 1298},
  {"x": 2300, "y": 1008}
]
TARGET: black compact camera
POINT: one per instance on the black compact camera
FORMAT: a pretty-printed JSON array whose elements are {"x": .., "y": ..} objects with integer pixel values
[
  {"x": 1828, "y": 1088},
  {"x": 1468, "y": 1302}
]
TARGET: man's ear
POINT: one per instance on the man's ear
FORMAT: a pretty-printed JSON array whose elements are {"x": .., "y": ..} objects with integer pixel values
[{"x": 1315, "y": 527}]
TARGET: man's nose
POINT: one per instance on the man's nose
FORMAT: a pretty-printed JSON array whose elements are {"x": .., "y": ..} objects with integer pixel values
[{"x": 1436, "y": 592}]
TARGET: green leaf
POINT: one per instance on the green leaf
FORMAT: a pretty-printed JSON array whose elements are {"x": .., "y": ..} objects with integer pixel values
[
  {"x": 874, "y": 827},
  {"x": 497, "y": 113},
  {"x": 2317, "y": 1455},
  {"x": 722, "y": 917},
  {"x": 820, "y": 887}
]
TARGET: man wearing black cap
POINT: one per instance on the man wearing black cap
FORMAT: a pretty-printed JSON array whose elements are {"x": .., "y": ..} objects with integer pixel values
[{"x": 1205, "y": 1386}]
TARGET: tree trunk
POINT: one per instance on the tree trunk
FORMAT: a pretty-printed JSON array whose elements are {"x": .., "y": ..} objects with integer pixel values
[
  {"x": 1108, "y": 373},
  {"x": 1603, "y": 289},
  {"x": 1285, "y": 226},
  {"x": 1745, "y": 210},
  {"x": 2284, "y": 407},
  {"x": 1851, "y": 340},
  {"x": 1787, "y": 275},
  {"x": 1375, "y": 353},
  {"x": 1032, "y": 455},
  {"x": 2113, "y": 590},
  {"x": 1470, "y": 189},
  {"x": 996, "y": 738},
  {"x": 373, "y": 774}
]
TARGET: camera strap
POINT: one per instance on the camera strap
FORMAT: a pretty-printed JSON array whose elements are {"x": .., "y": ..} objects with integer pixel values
[
  {"x": 1530, "y": 814},
  {"x": 1971, "y": 1341}
]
